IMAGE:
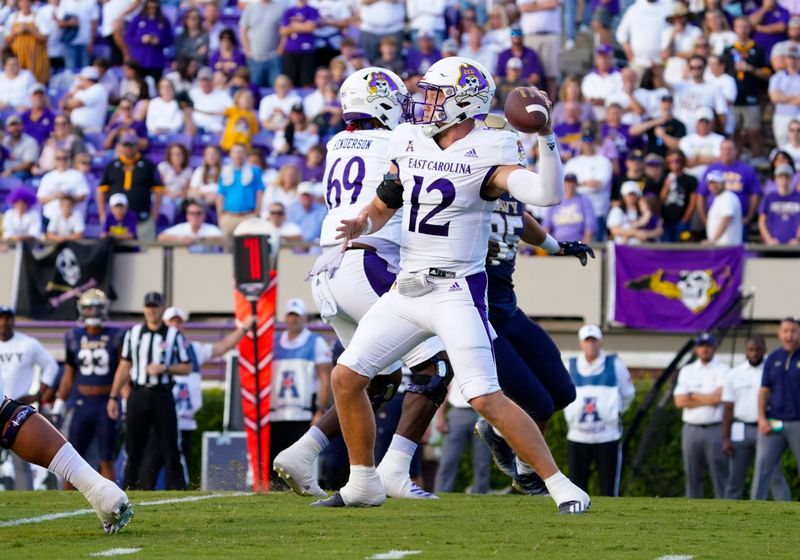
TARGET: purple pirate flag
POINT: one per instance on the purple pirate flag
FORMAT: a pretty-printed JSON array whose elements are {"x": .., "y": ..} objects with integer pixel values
[{"x": 679, "y": 291}]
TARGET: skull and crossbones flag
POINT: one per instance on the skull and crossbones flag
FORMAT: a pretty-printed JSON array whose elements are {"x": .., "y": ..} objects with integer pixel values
[
  {"x": 51, "y": 281},
  {"x": 678, "y": 290}
]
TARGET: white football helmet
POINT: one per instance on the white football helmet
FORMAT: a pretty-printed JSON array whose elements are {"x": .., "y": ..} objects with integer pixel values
[
  {"x": 93, "y": 307},
  {"x": 456, "y": 89},
  {"x": 375, "y": 93}
]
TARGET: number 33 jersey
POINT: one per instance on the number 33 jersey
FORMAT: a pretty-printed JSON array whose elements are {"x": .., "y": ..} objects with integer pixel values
[
  {"x": 94, "y": 357},
  {"x": 355, "y": 166},
  {"x": 446, "y": 215}
]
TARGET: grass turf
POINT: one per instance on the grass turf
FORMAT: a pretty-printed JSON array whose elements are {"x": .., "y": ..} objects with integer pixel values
[{"x": 456, "y": 526}]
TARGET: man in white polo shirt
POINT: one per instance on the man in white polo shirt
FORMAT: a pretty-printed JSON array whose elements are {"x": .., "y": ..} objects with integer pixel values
[
  {"x": 88, "y": 103},
  {"x": 699, "y": 393},
  {"x": 724, "y": 218},
  {"x": 740, "y": 422}
]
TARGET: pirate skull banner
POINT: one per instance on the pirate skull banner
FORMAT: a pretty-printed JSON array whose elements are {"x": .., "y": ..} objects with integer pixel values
[
  {"x": 51, "y": 281},
  {"x": 674, "y": 290}
]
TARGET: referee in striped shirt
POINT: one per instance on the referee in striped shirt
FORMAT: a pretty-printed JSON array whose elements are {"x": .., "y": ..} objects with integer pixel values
[{"x": 152, "y": 353}]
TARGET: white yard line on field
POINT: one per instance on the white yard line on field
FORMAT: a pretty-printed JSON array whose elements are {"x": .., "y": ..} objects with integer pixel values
[
  {"x": 116, "y": 552},
  {"x": 393, "y": 554},
  {"x": 63, "y": 514},
  {"x": 676, "y": 557}
]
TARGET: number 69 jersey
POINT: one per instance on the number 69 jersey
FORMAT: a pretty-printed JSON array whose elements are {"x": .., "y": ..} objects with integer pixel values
[
  {"x": 446, "y": 215},
  {"x": 94, "y": 357},
  {"x": 355, "y": 166}
]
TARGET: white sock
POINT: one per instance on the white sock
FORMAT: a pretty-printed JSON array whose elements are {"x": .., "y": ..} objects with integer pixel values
[
  {"x": 362, "y": 484},
  {"x": 311, "y": 444},
  {"x": 68, "y": 464},
  {"x": 561, "y": 488},
  {"x": 523, "y": 467},
  {"x": 398, "y": 456}
]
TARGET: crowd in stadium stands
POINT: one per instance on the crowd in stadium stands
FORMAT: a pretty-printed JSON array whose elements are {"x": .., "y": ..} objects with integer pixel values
[{"x": 227, "y": 108}]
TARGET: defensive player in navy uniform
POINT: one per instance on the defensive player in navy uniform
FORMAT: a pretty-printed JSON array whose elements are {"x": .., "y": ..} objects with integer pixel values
[
  {"x": 448, "y": 175},
  {"x": 34, "y": 439},
  {"x": 529, "y": 365},
  {"x": 92, "y": 356}
]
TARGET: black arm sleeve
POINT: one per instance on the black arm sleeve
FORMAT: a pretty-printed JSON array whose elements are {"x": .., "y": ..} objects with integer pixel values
[{"x": 390, "y": 191}]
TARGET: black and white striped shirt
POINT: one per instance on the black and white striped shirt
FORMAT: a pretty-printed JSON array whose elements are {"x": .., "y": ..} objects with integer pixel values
[{"x": 143, "y": 347}]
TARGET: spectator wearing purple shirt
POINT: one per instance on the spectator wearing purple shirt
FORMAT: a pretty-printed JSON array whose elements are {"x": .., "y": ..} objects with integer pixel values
[
  {"x": 779, "y": 214},
  {"x": 37, "y": 121},
  {"x": 770, "y": 21},
  {"x": 297, "y": 30},
  {"x": 740, "y": 179},
  {"x": 616, "y": 134},
  {"x": 531, "y": 66},
  {"x": 120, "y": 221},
  {"x": 568, "y": 132},
  {"x": 419, "y": 60},
  {"x": 147, "y": 35},
  {"x": 573, "y": 219},
  {"x": 228, "y": 58}
]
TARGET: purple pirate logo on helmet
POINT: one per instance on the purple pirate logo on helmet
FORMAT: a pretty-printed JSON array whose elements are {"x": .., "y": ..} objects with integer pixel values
[
  {"x": 471, "y": 83},
  {"x": 380, "y": 85}
]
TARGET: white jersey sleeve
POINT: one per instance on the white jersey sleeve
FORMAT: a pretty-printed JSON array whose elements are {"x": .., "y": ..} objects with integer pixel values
[
  {"x": 355, "y": 166},
  {"x": 446, "y": 215}
]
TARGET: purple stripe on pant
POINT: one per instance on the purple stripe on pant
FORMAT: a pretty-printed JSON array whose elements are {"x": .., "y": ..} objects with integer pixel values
[
  {"x": 477, "y": 288},
  {"x": 377, "y": 272}
]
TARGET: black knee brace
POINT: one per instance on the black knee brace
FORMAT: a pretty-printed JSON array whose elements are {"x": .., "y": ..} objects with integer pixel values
[
  {"x": 382, "y": 388},
  {"x": 15, "y": 414},
  {"x": 434, "y": 387}
]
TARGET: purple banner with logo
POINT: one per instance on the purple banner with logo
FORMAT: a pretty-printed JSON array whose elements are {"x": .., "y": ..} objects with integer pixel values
[{"x": 679, "y": 291}]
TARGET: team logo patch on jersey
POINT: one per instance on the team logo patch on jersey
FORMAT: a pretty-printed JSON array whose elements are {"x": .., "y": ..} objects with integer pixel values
[
  {"x": 589, "y": 410},
  {"x": 695, "y": 289},
  {"x": 288, "y": 386},
  {"x": 471, "y": 153},
  {"x": 471, "y": 83},
  {"x": 381, "y": 86},
  {"x": 523, "y": 159}
]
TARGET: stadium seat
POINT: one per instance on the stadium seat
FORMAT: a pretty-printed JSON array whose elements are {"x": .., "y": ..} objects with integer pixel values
[
  {"x": 95, "y": 139},
  {"x": 203, "y": 140}
]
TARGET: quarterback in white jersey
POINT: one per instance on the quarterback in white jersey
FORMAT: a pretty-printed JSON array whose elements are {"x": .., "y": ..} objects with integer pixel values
[
  {"x": 347, "y": 281},
  {"x": 448, "y": 175}
]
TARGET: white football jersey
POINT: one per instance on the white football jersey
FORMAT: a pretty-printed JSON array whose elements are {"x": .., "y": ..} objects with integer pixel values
[
  {"x": 355, "y": 166},
  {"x": 446, "y": 220}
]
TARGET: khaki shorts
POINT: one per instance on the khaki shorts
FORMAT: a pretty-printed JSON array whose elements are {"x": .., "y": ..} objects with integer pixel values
[
  {"x": 747, "y": 116},
  {"x": 548, "y": 47}
]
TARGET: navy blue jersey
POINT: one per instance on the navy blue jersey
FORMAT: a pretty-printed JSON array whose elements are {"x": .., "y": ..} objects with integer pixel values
[
  {"x": 507, "y": 226},
  {"x": 94, "y": 357}
]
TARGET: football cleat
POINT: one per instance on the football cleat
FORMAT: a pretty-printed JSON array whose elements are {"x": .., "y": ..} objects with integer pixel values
[
  {"x": 334, "y": 501},
  {"x": 401, "y": 486},
  {"x": 123, "y": 516},
  {"x": 501, "y": 451},
  {"x": 298, "y": 475},
  {"x": 530, "y": 484},
  {"x": 573, "y": 507}
]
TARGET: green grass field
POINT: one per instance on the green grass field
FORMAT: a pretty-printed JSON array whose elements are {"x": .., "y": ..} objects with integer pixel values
[{"x": 456, "y": 526}]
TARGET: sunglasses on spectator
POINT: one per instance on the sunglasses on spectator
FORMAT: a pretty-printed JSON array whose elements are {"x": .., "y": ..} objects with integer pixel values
[
  {"x": 276, "y": 212},
  {"x": 61, "y": 158},
  {"x": 697, "y": 67},
  {"x": 194, "y": 213},
  {"x": 61, "y": 123}
]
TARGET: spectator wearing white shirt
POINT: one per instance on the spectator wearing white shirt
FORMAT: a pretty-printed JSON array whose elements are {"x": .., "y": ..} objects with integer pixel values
[
  {"x": 740, "y": 422},
  {"x": 283, "y": 189},
  {"x": 380, "y": 18},
  {"x": 15, "y": 85},
  {"x": 209, "y": 102},
  {"x": 603, "y": 82},
  {"x": 427, "y": 15},
  {"x": 22, "y": 149},
  {"x": 639, "y": 33},
  {"x": 88, "y": 103},
  {"x": 20, "y": 354},
  {"x": 64, "y": 180},
  {"x": 477, "y": 50},
  {"x": 47, "y": 22},
  {"x": 273, "y": 111},
  {"x": 594, "y": 173},
  {"x": 193, "y": 230},
  {"x": 164, "y": 114},
  {"x": 718, "y": 32},
  {"x": 696, "y": 92},
  {"x": 699, "y": 393},
  {"x": 784, "y": 92},
  {"x": 792, "y": 145},
  {"x": 314, "y": 102},
  {"x": 204, "y": 182},
  {"x": 777, "y": 57},
  {"x": 86, "y": 14},
  {"x": 677, "y": 43},
  {"x": 68, "y": 224},
  {"x": 716, "y": 75},
  {"x": 540, "y": 21},
  {"x": 22, "y": 221},
  {"x": 289, "y": 231},
  {"x": 703, "y": 146},
  {"x": 724, "y": 219}
]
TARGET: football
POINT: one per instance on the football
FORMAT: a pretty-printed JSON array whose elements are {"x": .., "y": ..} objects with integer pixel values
[{"x": 526, "y": 109}]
